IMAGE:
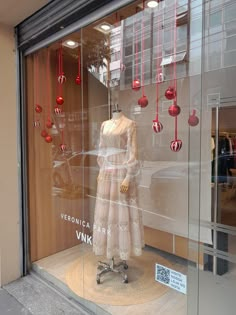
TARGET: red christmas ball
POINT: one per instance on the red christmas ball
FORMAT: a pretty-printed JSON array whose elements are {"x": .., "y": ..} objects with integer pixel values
[
  {"x": 176, "y": 145},
  {"x": 136, "y": 85},
  {"x": 57, "y": 110},
  {"x": 61, "y": 78},
  {"x": 36, "y": 124},
  {"x": 157, "y": 126},
  {"x": 143, "y": 101},
  {"x": 59, "y": 100},
  {"x": 44, "y": 133},
  {"x": 193, "y": 119},
  {"x": 170, "y": 93},
  {"x": 49, "y": 124},
  {"x": 78, "y": 80},
  {"x": 174, "y": 110},
  {"x": 63, "y": 147},
  {"x": 48, "y": 139},
  {"x": 38, "y": 109}
]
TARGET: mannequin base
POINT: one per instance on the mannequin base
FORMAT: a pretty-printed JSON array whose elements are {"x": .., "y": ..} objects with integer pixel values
[{"x": 104, "y": 267}]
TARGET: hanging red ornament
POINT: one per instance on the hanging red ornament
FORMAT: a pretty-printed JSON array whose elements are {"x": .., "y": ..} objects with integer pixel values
[
  {"x": 38, "y": 109},
  {"x": 36, "y": 124},
  {"x": 174, "y": 110},
  {"x": 157, "y": 126},
  {"x": 44, "y": 133},
  {"x": 61, "y": 78},
  {"x": 78, "y": 80},
  {"x": 136, "y": 85},
  {"x": 59, "y": 100},
  {"x": 193, "y": 119},
  {"x": 63, "y": 147},
  {"x": 176, "y": 145},
  {"x": 57, "y": 110},
  {"x": 48, "y": 138},
  {"x": 49, "y": 124},
  {"x": 170, "y": 93},
  {"x": 143, "y": 101}
]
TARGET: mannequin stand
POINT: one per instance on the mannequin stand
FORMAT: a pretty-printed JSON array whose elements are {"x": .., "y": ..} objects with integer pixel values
[{"x": 112, "y": 267}]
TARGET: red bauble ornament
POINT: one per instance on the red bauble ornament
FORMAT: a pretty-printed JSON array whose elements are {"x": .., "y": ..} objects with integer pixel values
[
  {"x": 49, "y": 124},
  {"x": 193, "y": 119},
  {"x": 78, "y": 80},
  {"x": 157, "y": 126},
  {"x": 36, "y": 124},
  {"x": 143, "y": 101},
  {"x": 59, "y": 100},
  {"x": 63, "y": 147},
  {"x": 44, "y": 133},
  {"x": 57, "y": 110},
  {"x": 48, "y": 139},
  {"x": 176, "y": 145},
  {"x": 170, "y": 93},
  {"x": 174, "y": 110},
  {"x": 61, "y": 78},
  {"x": 38, "y": 109},
  {"x": 136, "y": 85}
]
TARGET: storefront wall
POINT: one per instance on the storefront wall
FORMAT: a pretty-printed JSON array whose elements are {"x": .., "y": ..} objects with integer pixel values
[
  {"x": 105, "y": 179},
  {"x": 9, "y": 194}
]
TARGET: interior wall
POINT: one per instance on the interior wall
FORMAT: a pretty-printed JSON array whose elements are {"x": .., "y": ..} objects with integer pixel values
[{"x": 9, "y": 195}]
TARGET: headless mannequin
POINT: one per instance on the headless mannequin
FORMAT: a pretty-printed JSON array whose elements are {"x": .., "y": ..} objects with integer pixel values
[{"x": 104, "y": 267}]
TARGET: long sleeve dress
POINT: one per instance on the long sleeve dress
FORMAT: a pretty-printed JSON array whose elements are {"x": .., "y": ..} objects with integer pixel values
[{"x": 117, "y": 229}]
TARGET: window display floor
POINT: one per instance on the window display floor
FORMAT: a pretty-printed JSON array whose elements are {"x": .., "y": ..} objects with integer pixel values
[{"x": 74, "y": 271}]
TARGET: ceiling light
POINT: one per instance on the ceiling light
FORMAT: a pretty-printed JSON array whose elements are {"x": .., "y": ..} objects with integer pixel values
[
  {"x": 70, "y": 44},
  {"x": 105, "y": 27},
  {"x": 152, "y": 4}
]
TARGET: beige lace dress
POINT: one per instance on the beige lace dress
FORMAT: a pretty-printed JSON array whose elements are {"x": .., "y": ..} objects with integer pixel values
[{"x": 117, "y": 229}]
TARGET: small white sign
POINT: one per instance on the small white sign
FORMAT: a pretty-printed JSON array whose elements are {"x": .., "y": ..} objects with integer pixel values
[{"x": 171, "y": 278}]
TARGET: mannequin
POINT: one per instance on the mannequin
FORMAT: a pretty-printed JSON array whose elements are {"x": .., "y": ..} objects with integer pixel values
[{"x": 118, "y": 229}]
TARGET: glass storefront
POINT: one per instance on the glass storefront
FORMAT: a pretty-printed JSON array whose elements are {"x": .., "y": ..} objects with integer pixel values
[{"x": 131, "y": 160}]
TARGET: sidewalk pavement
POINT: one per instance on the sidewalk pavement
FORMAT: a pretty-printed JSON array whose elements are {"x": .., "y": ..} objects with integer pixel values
[{"x": 32, "y": 296}]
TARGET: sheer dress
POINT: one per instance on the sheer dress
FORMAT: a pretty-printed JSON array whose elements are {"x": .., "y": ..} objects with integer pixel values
[{"x": 118, "y": 228}]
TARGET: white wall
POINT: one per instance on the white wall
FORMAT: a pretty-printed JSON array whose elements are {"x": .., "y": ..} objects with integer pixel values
[{"x": 9, "y": 197}]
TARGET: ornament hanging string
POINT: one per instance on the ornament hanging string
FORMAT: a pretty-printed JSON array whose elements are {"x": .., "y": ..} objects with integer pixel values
[
  {"x": 158, "y": 68},
  {"x": 175, "y": 68},
  {"x": 60, "y": 66},
  {"x": 143, "y": 48},
  {"x": 156, "y": 124},
  {"x": 175, "y": 52},
  {"x": 122, "y": 66},
  {"x": 48, "y": 87},
  {"x": 36, "y": 82},
  {"x": 60, "y": 85},
  {"x": 79, "y": 63},
  {"x": 136, "y": 46}
]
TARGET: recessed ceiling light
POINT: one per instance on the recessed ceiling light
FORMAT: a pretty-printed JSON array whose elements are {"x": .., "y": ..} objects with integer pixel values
[
  {"x": 70, "y": 43},
  {"x": 152, "y": 4},
  {"x": 105, "y": 27}
]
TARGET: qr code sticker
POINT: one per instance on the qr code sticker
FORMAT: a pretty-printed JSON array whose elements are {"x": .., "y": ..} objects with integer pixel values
[{"x": 163, "y": 274}]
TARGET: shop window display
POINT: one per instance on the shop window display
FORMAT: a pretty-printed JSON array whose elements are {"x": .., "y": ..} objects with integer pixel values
[{"x": 115, "y": 126}]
